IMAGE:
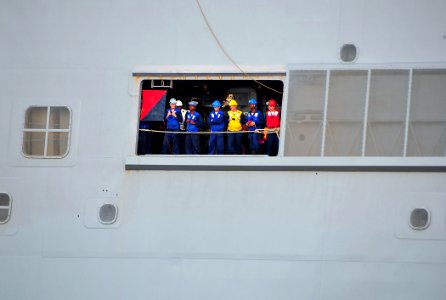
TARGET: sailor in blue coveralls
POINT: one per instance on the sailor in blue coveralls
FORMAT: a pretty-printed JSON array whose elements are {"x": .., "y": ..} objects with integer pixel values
[
  {"x": 145, "y": 139},
  {"x": 254, "y": 120},
  {"x": 193, "y": 123},
  {"x": 173, "y": 119},
  {"x": 216, "y": 122}
]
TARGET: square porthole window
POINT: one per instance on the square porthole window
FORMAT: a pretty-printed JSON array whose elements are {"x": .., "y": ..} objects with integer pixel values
[
  {"x": 348, "y": 53},
  {"x": 46, "y": 132},
  {"x": 108, "y": 213},
  {"x": 420, "y": 218},
  {"x": 5, "y": 208}
]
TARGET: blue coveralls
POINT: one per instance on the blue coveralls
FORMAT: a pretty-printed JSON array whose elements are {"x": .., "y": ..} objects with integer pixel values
[
  {"x": 172, "y": 124},
  {"x": 145, "y": 139},
  {"x": 253, "y": 137},
  {"x": 193, "y": 140},
  {"x": 216, "y": 121}
]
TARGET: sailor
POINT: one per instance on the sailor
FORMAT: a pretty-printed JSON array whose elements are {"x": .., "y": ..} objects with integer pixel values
[
  {"x": 272, "y": 127},
  {"x": 182, "y": 137},
  {"x": 235, "y": 121},
  {"x": 193, "y": 123},
  {"x": 173, "y": 119},
  {"x": 254, "y": 120},
  {"x": 183, "y": 114},
  {"x": 216, "y": 122},
  {"x": 144, "y": 138}
]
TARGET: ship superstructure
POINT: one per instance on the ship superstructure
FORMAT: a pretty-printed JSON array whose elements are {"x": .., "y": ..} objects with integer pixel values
[{"x": 353, "y": 206}]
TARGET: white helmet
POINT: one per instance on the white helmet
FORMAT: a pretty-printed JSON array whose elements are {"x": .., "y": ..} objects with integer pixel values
[{"x": 179, "y": 103}]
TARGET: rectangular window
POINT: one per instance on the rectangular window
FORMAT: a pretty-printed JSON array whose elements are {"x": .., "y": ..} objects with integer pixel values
[
  {"x": 306, "y": 94},
  {"x": 387, "y": 112},
  {"x": 46, "y": 132},
  {"x": 345, "y": 113},
  {"x": 154, "y": 137},
  {"x": 427, "y": 122},
  {"x": 366, "y": 113}
]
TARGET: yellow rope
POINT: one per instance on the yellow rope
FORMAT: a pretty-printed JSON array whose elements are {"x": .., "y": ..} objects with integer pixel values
[
  {"x": 226, "y": 53},
  {"x": 270, "y": 131}
]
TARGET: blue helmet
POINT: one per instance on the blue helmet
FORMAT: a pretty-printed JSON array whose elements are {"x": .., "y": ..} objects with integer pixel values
[
  {"x": 216, "y": 103},
  {"x": 193, "y": 103},
  {"x": 173, "y": 101},
  {"x": 252, "y": 101}
]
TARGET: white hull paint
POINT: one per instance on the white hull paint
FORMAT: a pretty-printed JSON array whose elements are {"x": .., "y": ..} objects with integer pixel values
[{"x": 296, "y": 228}]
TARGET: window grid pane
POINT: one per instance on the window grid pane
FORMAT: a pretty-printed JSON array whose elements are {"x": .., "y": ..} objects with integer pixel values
[
  {"x": 4, "y": 215},
  {"x": 57, "y": 143},
  {"x": 36, "y": 117},
  {"x": 386, "y": 114},
  {"x": 345, "y": 113},
  {"x": 427, "y": 124},
  {"x": 305, "y": 113},
  {"x": 4, "y": 199},
  {"x": 34, "y": 143},
  {"x": 59, "y": 118}
]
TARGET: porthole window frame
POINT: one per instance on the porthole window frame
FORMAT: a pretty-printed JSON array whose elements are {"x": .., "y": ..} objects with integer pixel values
[
  {"x": 356, "y": 55},
  {"x": 47, "y": 131},
  {"x": 108, "y": 222},
  {"x": 429, "y": 218},
  {"x": 9, "y": 207}
]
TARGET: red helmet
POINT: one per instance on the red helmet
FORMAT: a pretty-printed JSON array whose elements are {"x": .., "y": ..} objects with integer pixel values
[{"x": 272, "y": 102}]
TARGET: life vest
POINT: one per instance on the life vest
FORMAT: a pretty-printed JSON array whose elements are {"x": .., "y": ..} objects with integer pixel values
[
  {"x": 273, "y": 119},
  {"x": 234, "y": 120}
]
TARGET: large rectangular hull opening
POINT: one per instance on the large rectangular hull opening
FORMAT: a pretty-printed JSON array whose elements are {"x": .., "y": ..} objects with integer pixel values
[{"x": 156, "y": 94}]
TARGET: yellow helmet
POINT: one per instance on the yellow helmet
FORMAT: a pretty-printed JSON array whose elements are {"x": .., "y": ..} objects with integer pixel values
[{"x": 232, "y": 103}]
